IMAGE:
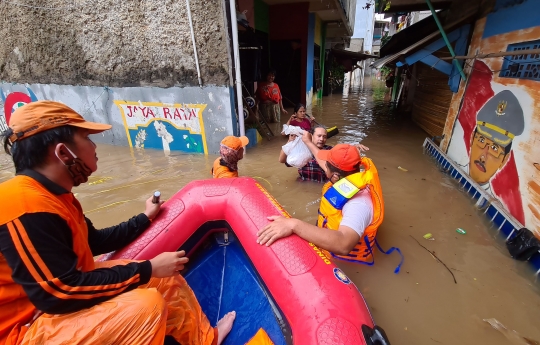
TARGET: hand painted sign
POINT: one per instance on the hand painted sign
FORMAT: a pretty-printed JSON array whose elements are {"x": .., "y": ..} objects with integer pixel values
[{"x": 164, "y": 126}]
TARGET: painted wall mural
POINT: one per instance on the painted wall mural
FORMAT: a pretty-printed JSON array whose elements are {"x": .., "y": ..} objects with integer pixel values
[
  {"x": 164, "y": 126},
  {"x": 488, "y": 124},
  {"x": 494, "y": 120},
  {"x": 141, "y": 117},
  {"x": 12, "y": 101}
]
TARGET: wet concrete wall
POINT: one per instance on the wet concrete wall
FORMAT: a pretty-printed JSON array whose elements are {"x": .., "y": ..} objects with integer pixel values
[
  {"x": 114, "y": 43},
  {"x": 493, "y": 125},
  {"x": 188, "y": 119},
  {"x": 93, "y": 54}
]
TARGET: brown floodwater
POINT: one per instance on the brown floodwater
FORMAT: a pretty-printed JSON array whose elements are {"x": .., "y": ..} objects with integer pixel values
[{"x": 420, "y": 305}]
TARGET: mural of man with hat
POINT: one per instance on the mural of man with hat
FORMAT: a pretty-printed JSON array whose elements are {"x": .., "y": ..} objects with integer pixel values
[{"x": 498, "y": 122}]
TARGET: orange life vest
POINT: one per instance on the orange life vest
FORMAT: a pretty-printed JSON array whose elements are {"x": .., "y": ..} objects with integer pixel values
[
  {"x": 220, "y": 171},
  {"x": 25, "y": 195},
  {"x": 334, "y": 198}
]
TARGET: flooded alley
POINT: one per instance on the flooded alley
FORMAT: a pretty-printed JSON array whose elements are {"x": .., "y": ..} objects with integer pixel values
[{"x": 421, "y": 305}]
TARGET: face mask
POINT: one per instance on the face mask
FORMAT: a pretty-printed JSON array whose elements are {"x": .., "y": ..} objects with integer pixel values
[{"x": 77, "y": 169}]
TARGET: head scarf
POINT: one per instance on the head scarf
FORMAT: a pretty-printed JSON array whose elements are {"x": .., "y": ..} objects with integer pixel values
[{"x": 229, "y": 157}]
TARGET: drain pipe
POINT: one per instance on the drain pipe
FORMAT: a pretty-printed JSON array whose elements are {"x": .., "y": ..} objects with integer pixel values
[
  {"x": 194, "y": 45},
  {"x": 445, "y": 38},
  {"x": 238, "y": 77}
]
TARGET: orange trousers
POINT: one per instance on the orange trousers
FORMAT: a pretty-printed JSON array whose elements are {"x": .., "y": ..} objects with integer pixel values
[{"x": 143, "y": 316}]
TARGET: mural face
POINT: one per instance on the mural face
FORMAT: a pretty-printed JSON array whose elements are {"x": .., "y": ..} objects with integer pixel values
[
  {"x": 498, "y": 122},
  {"x": 486, "y": 158},
  {"x": 164, "y": 126}
]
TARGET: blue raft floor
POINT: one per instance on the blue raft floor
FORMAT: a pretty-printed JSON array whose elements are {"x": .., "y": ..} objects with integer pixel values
[{"x": 224, "y": 279}]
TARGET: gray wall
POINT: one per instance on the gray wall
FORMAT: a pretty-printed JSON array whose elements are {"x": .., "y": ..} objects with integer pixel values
[{"x": 210, "y": 106}]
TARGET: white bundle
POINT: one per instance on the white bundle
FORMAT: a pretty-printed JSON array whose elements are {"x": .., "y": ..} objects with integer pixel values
[{"x": 298, "y": 154}]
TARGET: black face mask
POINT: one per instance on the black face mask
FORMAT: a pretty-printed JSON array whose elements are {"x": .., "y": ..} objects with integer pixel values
[{"x": 78, "y": 170}]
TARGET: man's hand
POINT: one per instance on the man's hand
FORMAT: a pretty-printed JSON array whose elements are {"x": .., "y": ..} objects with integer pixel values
[
  {"x": 279, "y": 227},
  {"x": 335, "y": 177},
  {"x": 285, "y": 112},
  {"x": 168, "y": 264},
  {"x": 152, "y": 209},
  {"x": 361, "y": 147},
  {"x": 306, "y": 137}
]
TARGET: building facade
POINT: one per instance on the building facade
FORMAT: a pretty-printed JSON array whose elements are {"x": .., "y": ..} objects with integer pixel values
[
  {"x": 163, "y": 73},
  {"x": 487, "y": 123}
]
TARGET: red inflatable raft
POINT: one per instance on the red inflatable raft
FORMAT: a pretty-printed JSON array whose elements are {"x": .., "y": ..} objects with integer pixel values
[{"x": 313, "y": 301}]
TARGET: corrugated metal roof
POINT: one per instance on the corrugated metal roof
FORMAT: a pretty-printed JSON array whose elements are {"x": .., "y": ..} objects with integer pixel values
[{"x": 387, "y": 59}]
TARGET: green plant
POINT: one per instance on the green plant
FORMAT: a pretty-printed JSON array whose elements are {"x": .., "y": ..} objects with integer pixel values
[
  {"x": 385, "y": 39},
  {"x": 385, "y": 71},
  {"x": 336, "y": 75}
]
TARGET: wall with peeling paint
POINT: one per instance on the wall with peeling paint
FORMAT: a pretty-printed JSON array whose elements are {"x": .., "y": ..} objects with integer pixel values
[
  {"x": 189, "y": 119},
  {"x": 493, "y": 125}
]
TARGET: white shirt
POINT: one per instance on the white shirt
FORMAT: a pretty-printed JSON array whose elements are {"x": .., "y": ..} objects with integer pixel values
[{"x": 358, "y": 212}]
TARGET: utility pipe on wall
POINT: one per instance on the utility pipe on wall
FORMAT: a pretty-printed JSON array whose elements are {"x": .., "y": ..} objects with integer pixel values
[
  {"x": 445, "y": 38},
  {"x": 194, "y": 45},
  {"x": 238, "y": 77}
]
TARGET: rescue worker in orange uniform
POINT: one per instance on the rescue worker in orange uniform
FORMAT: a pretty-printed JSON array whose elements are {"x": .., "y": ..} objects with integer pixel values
[
  {"x": 51, "y": 290},
  {"x": 231, "y": 151},
  {"x": 351, "y": 205}
]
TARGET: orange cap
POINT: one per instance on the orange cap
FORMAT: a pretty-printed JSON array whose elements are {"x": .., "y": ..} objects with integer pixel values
[
  {"x": 235, "y": 143},
  {"x": 343, "y": 156},
  {"x": 36, "y": 117}
]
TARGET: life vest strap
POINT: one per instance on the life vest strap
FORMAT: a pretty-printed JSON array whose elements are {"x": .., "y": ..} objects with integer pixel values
[
  {"x": 325, "y": 221},
  {"x": 369, "y": 251}
]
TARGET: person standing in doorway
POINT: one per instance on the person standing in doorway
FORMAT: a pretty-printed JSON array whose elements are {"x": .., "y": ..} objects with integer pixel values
[{"x": 268, "y": 96}]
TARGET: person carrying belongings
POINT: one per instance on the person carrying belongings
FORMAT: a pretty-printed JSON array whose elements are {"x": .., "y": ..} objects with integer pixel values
[
  {"x": 311, "y": 171},
  {"x": 231, "y": 151},
  {"x": 350, "y": 212},
  {"x": 52, "y": 291}
]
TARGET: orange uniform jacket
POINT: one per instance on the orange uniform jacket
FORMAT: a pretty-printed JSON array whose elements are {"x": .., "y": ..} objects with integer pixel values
[
  {"x": 46, "y": 254},
  {"x": 221, "y": 171}
]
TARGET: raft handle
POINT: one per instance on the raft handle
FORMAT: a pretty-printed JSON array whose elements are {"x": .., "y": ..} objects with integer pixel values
[{"x": 375, "y": 336}]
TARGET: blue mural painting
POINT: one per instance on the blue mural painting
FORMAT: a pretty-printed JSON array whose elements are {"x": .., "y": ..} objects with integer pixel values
[{"x": 168, "y": 127}]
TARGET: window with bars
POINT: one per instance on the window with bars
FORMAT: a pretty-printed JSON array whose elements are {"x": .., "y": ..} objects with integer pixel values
[
  {"x": 522, "y": 66},
  {"x": 317, "y": 75}
]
